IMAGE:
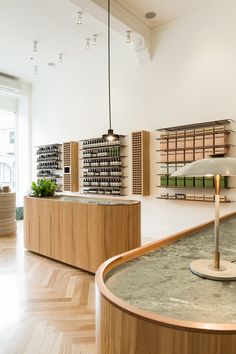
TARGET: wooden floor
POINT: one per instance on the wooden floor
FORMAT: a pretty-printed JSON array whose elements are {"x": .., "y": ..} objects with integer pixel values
[{"x": 45, "y": 307}]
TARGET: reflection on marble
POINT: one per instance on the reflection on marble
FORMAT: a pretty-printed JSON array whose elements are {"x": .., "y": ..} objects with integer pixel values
[
  {"x": 161, "y": 281},
  {"x": 96, "y": 201}
]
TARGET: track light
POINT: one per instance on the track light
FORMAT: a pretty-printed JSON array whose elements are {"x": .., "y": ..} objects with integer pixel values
[
  {"x": 94, "y": 39},
  {"x": 128, "y": 36},
  {"x": 35, "y": 46},
  {"x": 79, "y": 18},
  {"x": 87, "y": 43},
  {"x": 60, "y": 58}
]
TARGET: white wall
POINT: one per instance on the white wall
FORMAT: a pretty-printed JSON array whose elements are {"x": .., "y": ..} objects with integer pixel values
[{"x": 192, "y": 78}]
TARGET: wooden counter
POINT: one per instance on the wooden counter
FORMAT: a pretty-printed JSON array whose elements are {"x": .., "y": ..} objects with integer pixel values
[
  {"x": 83, "y": 232},
  {"x": 7, "y": 214},
  {"x": 123, "y": 327}
]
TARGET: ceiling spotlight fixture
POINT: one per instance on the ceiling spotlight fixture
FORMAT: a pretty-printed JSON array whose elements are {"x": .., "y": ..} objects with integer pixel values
[
  {"x": 87, "y": 43},
  {"x": 79, "y": 18},
  {"x": 35, "y": 46},
  {"x": 94, "y": 39},
  {"x": 128, "y": 36},
  {"x": 35, "y": 70},
  {"x": 149, "y": 15},
  {"x": 110, "y": 136},
  {"x": 51, "y": 64},
  {"x": 60, "y": 58}
]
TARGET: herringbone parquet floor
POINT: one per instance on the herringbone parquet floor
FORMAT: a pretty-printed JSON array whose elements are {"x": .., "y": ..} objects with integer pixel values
[{"x": 45, "y": 307}]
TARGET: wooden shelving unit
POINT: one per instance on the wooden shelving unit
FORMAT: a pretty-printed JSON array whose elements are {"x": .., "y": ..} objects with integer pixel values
[
  {"x": 195, "y": 200},
  {"x": 49, "y": 163},
  {"x": 184, "y": 144},
  {"x": 141, "y": 163},
  {"x": 8, "y": 214},
  {"x": 70, "y": 166},
  {"x": 103, "y": 166}
]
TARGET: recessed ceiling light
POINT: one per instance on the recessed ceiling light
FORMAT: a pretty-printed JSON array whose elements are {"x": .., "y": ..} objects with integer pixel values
[
  {"x": 150, "y": 15},
  {"x": 51, "y": 64}
]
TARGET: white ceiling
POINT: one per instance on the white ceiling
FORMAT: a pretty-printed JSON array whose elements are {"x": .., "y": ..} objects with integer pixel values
[
  {"x": 166, "y": 10},
  {"x": 53, "y": 23}
]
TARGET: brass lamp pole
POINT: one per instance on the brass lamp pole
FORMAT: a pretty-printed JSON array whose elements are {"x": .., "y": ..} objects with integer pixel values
[{"x": 217, "y": 180}]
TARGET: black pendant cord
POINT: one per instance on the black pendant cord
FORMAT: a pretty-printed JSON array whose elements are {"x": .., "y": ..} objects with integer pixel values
[{"x": 109, "y": 62}]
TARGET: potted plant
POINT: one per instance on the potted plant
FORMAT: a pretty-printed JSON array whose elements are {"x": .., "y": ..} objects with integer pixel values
[{"x": 43, "y": 188}]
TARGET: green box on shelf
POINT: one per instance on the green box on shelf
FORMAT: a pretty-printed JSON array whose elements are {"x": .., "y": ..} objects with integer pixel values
[
  {"x": 164, "y": 181},
  {"x": 189, "y": 182},
  {"x": 172, "y": 181},
  {"x": 224, "y": 182},
  {"x": 198, "y": 182},
  {"x": 209, "y": 182},
  {"x": 180, "y": 182}
]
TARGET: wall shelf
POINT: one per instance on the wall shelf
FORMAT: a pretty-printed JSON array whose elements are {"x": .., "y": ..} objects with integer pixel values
[
  {"x": 104, "y": 177},
  {"x": 102, "y": 147},
  {"x": 111, "y": 162},
  {"x": 198, "y": 147},
  {"x": 56, "y": 151},
  {"x": 198, "y": 125},
  {"x": 103, "y": 157},
  {"x": 102, "y": 167},
  {"x": 71, "y": 166},
  {"x": 46, "y": 166},
  {"x": 195, "y": 200},
  {"x": 181, "y": 145},
  {"x": 195, "y": 188},
  {"x": 141, "y": 163}
]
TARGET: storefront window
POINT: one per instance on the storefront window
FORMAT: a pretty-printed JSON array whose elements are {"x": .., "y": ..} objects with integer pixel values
[{"x": 7, "y": 149}]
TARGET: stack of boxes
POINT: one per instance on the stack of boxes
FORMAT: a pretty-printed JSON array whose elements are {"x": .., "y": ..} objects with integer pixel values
[
  {"x": 179, "y": 147},
  {"x": 193, "y": 144},
  {"x": 191, "y": 182},
  {"x": 194, "y": 197}
]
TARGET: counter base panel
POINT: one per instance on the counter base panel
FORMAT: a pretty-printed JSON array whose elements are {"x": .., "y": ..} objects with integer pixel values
[
  {"x": 138, "y": 336},
  {"x": 81, "y": 235}
]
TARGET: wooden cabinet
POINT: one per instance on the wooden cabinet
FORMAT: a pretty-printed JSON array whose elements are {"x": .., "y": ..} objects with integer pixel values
[
  {"x": 70, "y": 166},
  {"x": 103, "y": 166},
  {"x": 79, "y": 232},
  {"x": 141, "y": 163},
  {"x": 49, "y": 163},
  {"x": 7, "y": 214},
  {"x": 181, "y": 145}
]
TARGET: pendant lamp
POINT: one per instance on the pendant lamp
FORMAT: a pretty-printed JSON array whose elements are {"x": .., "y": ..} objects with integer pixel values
[{"x": 110, "y": 136}]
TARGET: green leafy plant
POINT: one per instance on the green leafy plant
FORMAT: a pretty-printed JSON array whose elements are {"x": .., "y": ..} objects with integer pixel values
[{"x": 43, "y": 188}]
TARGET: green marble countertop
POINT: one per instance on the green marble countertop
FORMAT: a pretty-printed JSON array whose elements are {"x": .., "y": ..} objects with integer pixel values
[
  {"x": 161, "y": 281},
  {"x": 95, "y": 201}
]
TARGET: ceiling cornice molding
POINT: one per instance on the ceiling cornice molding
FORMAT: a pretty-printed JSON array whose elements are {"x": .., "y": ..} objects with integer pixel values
[
  {"x": 143, "y": 52},
  {"x": 122, "y": 20},
  {"x": 171, "y": 20}
]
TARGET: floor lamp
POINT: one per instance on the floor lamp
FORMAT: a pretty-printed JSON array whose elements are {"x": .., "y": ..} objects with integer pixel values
[{"x": 216, "y": 166}]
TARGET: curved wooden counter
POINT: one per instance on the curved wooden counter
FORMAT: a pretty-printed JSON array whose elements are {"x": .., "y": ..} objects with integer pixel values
[
  {"x": 83, "y": 232},
  {"x": 7, "y": 214},
  {"x": 125, "y": 329}
]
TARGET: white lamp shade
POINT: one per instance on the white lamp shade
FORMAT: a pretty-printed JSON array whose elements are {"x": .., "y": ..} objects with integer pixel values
[{"x": 224, "y": 166}]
